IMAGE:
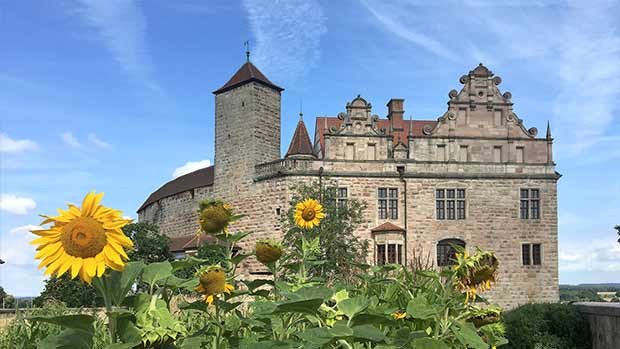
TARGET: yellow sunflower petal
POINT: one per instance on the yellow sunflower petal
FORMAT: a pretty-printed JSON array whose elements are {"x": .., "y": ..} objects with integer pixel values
[
  {"x": 48, "y": 250},
  {"x": 209, "y": 299},
  {"x": 50, "y": 259},
  {"x": 229, "y": 288},
  {"x": 76, "y": 266},
  {"x": 66, "y": 265},
  {"x": 90, "y": 267}
]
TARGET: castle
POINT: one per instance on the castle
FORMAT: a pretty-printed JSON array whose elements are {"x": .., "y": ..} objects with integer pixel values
[{"x": 476, "y": 176}]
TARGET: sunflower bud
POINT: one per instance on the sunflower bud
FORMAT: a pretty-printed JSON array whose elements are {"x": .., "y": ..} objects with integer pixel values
[
  {"x": 214, "y": 217},
  {"x": 268, "y": 251}
]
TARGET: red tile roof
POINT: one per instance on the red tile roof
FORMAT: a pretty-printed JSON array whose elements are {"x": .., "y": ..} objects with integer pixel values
[
  {"x": 401, "y": 128},
  {"x": 300, "y": 144},
  {"x": 199, "y": 178},
  {"x": 247, "y": 73},
  {"x": 387, "y": 226},
  {"x": 189, "y": 242}
]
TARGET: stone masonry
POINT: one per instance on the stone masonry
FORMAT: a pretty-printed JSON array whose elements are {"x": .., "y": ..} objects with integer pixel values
[{"x": 478, "y": 147}]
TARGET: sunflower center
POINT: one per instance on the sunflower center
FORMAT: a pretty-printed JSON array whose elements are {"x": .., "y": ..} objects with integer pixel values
[
  {"x": 308, "y": 214},
  {"x": 213, "y": 281},
  {"x": 83, "y": 237}
]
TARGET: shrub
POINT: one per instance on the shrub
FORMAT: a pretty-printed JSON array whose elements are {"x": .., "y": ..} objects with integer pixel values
[{"x": 547, "y": 326}]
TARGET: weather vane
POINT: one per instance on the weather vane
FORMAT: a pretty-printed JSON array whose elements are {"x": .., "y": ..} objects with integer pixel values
[{"x": 247, "y": 49}]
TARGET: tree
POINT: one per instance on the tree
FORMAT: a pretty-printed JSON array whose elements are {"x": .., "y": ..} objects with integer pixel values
[
  {"x": 617, "y": 227},
  {"x": 2, "y": 294},
  {"x": 339, "y": 247},
  {"x": 73, "y": 293},
  {"x": 149, "y": 244},
  {"x": 9, "y": 301}
]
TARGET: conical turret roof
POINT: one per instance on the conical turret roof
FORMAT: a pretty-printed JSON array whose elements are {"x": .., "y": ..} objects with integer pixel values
[{"x": 300, "y": 144}]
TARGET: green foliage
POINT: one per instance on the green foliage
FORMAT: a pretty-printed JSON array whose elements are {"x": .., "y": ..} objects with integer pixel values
[
  {"x": 149, "y": 244},
  {"x": 340, "y": 250},
  {"x": 73, "y": 293},
  {"x": 586, "y": 292},
  {"x": 24, "y": 332},
  {"x": 617, "y": 227},
  {"x": 550, "y": 326},
  {"x": 383, "y": 307}
]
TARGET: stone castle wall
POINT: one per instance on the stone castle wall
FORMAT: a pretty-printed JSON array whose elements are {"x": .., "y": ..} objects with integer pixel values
[{"x": 176, "y": 215}]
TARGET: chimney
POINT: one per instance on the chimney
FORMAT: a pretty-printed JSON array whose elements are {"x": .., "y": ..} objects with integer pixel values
[{"x": 396, "y": 110}]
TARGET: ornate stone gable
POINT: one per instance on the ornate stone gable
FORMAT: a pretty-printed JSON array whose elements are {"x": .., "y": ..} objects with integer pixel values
[
  {"x": 480, "y": 109},
  {"x": 358, "y": 120}
]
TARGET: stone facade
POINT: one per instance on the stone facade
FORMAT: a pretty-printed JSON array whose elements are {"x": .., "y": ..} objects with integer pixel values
[{"x": 478, "y": 151}]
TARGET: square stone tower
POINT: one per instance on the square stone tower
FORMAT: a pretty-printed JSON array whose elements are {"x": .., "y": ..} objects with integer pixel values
[{"x": 247, "y": 130}]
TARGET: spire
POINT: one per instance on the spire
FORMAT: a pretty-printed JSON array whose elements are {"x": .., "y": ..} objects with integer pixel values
[
  {"x": 548, "y": 130},
  {"x": 300, "y": 144}
]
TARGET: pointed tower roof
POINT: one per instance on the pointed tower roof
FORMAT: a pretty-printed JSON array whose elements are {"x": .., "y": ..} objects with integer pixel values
[
  {"x": 300, "y": 144},
  {"x": 548, "y": 130},
  {"x": 247, "y": 73}
]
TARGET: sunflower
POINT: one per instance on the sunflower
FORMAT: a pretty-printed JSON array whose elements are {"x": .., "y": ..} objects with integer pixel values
[
  {"x": 475, "y": 273},
  {"x": 308, "y": 213},
  {"x": 212, "y": 283},
  {"x": 83, "y": 241},
  {"x": 398, "y": 315},
  {"x": 268, "y": 251},
  {"x": 215, "y": 216}
]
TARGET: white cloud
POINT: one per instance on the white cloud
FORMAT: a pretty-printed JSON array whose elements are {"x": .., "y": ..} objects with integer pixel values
[
  {"x": 122, "y": 26},
  {"x": 98, "y": 142},
  {"x": 288, "y": 35},
  {"x": 9, "y": 145},
  {"x": 190, "y": 166},
  {"x": 16, "y": 204},
  {"x": 19, "y": 275},
  {"x": 591, "y": 256},
  {"x": 69, "y": 139},
  {"x": 389, "y": 15}
]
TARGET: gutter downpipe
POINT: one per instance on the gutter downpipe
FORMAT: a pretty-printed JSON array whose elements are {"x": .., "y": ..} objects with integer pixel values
[{"x": 401, "y": 174}]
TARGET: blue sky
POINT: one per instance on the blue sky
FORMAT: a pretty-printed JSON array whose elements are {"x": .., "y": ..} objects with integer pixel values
[{"x": 115, "y": 96}]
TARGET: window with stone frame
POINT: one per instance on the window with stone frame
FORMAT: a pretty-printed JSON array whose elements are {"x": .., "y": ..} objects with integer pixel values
[
  {"x": 529, "y": 207},
  {"x": 389, "y": 253},
  {"x": 388, "y": 203},
  {"x": 446, "y": 253},
  {"x": 342, "y": 195},
  {"x": 531, "y": 254},
  {"x": 450, "y": 203}
]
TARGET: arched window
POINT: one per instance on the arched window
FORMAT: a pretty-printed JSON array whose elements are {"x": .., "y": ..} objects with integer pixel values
[{"x": 446, "y": 253}]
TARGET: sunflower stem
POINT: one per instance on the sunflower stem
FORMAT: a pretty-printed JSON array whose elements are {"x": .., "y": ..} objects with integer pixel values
[{"x": 100, "y": 286}]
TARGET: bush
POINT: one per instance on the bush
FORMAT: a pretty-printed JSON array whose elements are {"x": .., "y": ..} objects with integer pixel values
[{"x": 547, "y": 326}]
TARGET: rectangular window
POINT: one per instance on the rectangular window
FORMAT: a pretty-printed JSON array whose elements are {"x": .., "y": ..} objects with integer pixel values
[
  {"x": 393, "y": 203},
  {"x": 536, "y": 258},
  {"x": 389, "y": 253},
  {"x": 349, "y": 153},
  {"x": 380, "y": 254},
  {"x": 342, "y": 196},
  {"x": 382, "y": 204},
  {"x": 497, "y": 153},
  {"x": 525, "y": 252},
  {"x": 372, "y": 152},
  {"x": 520, "y": 155},
  {"x": 462, "y": 116},
  {"x": 463, "y": 153},
  {"x": 450, "y": 203},
  {"x": 531, "y": 254},
  {"x": 530, "y": 204},
  {"x": 441, "y": 152}
]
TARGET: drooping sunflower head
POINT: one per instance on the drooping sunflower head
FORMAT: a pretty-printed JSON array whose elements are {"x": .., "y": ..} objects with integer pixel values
[
  {"x": 308, "y": 213},
  {"x": 475, "y": 272},
  {"x": 212, "y": 281},
  {"x": 268, "y": 251},
  {"x": 214, "y": 216},
  {"x": 83, "y": 241}
]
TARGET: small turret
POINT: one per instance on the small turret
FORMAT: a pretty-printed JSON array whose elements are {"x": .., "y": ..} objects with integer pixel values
[{"x": 300, "y": 147}]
